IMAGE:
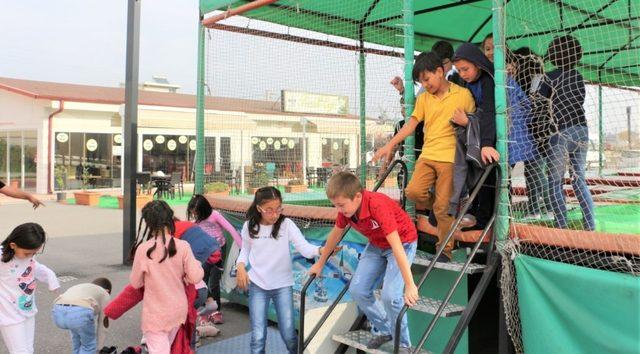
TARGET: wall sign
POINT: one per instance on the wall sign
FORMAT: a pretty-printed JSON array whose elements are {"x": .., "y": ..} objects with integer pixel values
[
  {"x": 92, "y": 145},
  {"x": 147, "y": 145},
  {"x": 62, "y": 137},
  {"x": 171, "y": 145}
]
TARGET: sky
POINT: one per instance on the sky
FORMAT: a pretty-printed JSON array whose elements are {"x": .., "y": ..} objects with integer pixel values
[{"x": 84, "y": 41}]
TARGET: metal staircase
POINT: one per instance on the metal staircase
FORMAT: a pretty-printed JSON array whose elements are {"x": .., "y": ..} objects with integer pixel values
[{"x": 357, "y": 338}]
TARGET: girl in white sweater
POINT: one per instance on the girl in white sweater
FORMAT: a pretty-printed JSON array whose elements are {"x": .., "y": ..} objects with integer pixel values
[{"x": 266, "y": 239}]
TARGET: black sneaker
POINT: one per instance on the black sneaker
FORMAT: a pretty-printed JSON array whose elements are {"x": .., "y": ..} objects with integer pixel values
[
  {"x": 443, "y": 258},
  {"x": 377, "y": 341}
]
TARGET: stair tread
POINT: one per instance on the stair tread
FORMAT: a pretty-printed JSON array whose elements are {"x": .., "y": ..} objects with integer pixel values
[
  {"x": 430, "y": 306},
  {"x": 422, "y": 259},
  {"x": 359, "y": 339}
]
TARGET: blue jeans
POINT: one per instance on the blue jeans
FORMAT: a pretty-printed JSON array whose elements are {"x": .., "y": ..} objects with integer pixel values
[
  {"x": 80, "y": 321},
  {"x": 376, "y": 263},
  {"x": 573, "y": 141},
  {"x": 259, "y": 300},
  {"x": 537, "y": 186}
]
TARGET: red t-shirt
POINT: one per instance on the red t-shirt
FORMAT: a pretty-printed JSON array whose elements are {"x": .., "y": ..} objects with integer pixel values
[{"x": 379, "y": 216}]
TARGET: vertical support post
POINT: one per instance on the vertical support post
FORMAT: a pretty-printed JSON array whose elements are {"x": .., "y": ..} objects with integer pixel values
[
  {"x": 363, "y": 111},
  {"x": 409, "y": 94},
  {"x": 303, "y": 120},
  {"x": 502, "y": 219},
  {"x": 131, "y": 129},
  {"x": 200, "y": 148},
  {"x": 600, "y": 132},
  {"x": 629, "y": 126}
]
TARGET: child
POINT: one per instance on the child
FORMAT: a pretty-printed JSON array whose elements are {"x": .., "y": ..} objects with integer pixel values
[
  {"x": 477, "y": 71},
  {"x": 266, "y": 236},
  {"x": 565, "y": 88},
  {"x": 487, "y": 46},
  {"x": 18, "y": 274},
  {"x": 162, "y": 264},
  {"x": 213, "y": 223},
  {"x": 389, "y": 253},
  {"x": 79, "y": 310},
  {"x": 434, "y": 167}
]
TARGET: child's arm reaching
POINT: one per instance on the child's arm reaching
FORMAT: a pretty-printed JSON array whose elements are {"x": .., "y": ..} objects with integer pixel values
[
  {"x": 387, "y": 149},
  {"x": 46, "y": 275},
  {"x": 410, "y": 288},
  {"x": 332, "y": 240},
  {"x": 306, "y": 249},
  {"x": 218, "y": 218}
]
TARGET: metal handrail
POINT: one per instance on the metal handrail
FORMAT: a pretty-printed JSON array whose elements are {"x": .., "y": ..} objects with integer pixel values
[
  {"x": 302, "y": 343},
  {"x": 440, "y": 250}
]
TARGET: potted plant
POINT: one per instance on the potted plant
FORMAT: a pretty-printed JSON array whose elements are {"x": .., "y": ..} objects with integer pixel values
[
  {"x": 217, "y": 188},
  {"x": 60, "y": 177},
  {"x": 295, "y": 186},
  {"x": 259, "y": 179},
  {"x": 85, "y": 197}
]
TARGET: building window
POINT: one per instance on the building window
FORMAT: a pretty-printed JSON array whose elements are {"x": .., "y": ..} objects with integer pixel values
[
  {"x": 281, "y": 156},
  {"x": 335, "y": 151},
  {"x": 94, "y": 156}
]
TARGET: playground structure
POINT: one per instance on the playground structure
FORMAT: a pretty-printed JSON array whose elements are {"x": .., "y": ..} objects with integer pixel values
[{"x": 344, "y": 54}]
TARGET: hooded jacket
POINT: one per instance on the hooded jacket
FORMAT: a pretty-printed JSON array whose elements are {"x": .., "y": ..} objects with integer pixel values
[{"x": 482, "y": 90}]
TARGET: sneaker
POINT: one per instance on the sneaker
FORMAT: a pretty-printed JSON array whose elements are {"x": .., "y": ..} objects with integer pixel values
[
  {"x": 209, "y": 308},
  {"x": 468, "y": 220},
  {"x": 405, "y": 350},
  {"x": 378, "y": 341},
  {"x": 443, "y": 258},
  {"x": 216, "y": 318}
]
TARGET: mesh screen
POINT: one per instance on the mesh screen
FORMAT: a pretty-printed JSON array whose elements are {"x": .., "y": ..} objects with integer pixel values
[
  {"x": 297, "y": 94},
  {"x": 574, "y": 145}
]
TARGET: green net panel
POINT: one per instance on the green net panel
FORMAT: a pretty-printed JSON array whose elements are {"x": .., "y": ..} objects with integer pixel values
[
  {"x": 575, "y": 195},
  {"x": 297, "y": 97}
]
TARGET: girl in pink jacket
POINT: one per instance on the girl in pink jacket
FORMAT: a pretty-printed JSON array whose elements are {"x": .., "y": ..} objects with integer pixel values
[{"x": 162, "y": 264}]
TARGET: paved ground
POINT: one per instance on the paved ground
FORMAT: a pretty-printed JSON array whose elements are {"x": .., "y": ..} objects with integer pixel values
[{"x": 85, "y": 243}]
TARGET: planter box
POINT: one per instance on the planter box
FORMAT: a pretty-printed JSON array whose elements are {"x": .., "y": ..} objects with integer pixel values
[
  {"x": 61, "y": 197},
  {"x": 87, "y": 198},
  {"x": 219, "y": 194},
  {"x": 295, "y": 188},
  {"x": 141, "y": 201}
]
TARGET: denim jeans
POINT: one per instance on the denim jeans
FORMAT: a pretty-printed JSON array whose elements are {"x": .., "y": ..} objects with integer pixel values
[
  {"x": 573, "y": 141},
  {"x": 376, "y": 263},
  {"x": 537, "y": 186},
  {"x": 80, "y": 321},
  {"x": 259, "y": 300}
]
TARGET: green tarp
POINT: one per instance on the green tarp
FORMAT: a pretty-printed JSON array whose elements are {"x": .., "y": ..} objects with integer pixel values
[
  {"x": 609, "y": 31},
  {"x": 571, "y": 309}
]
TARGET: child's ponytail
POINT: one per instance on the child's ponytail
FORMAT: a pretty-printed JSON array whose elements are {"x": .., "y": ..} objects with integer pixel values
[{"x": 158, "y": 217}]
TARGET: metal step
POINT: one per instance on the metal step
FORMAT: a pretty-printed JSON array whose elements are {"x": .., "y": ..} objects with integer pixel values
[
  {"x": 359, "y": 339},
  {"x": 430, "y": 306},
  {"x": 422, "y": 259}
]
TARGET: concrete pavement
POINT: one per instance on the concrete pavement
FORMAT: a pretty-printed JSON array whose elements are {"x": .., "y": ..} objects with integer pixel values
[{"x": 85, "y": 243}]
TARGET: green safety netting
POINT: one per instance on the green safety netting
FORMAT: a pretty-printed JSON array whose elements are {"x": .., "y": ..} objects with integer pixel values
[{"x": 613, "y": 62}]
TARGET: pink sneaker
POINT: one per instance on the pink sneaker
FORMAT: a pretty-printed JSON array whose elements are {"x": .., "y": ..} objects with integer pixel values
[{"x": 216, "y": 318}]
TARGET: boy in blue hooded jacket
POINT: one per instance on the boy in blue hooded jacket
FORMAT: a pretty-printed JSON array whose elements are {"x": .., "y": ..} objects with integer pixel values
[{"x": 477, "y": 71}]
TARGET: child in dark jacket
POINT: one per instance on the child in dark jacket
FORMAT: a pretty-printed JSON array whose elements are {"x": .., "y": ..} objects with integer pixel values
[
  {"x": 477, "y": 71},
  {"x": 564, "y": 88}
]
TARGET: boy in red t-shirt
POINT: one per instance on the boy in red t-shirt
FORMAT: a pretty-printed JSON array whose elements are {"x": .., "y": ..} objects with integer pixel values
[{"x": 392, "y": 246}]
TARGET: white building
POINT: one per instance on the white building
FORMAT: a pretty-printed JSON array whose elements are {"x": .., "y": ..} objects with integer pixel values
[{"x": 51, "y": 132}]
